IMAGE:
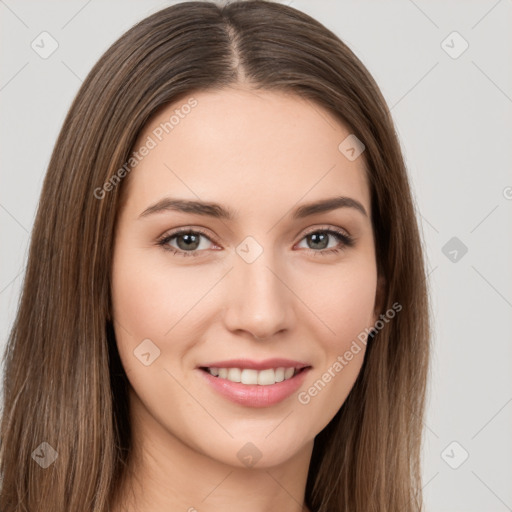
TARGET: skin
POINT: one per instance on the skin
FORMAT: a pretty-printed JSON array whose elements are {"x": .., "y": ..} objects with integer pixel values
[{"x": 261, "y": 154}]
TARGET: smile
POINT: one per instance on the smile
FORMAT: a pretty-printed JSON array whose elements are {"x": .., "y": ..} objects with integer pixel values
[
  {"x": 255, "y": 384},
  {"x": 249, "y": 376}
]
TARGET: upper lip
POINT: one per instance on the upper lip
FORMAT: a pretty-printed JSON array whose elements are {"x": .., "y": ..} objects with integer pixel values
[{"x": 256, "y": 365}]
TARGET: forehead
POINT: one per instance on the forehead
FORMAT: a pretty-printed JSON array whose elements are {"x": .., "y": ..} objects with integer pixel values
[{"x": 249, "y": 149}]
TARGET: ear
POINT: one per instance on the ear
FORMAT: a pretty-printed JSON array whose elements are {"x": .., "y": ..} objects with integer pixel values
[{"x": 379, "y": 298}]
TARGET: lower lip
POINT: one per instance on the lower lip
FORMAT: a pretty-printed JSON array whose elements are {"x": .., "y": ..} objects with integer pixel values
[{"x": 253, "y": 395}]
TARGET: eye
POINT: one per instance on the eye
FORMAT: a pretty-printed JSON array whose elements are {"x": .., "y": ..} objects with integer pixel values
[
  {"x": 319, "y": 239},
  {"x": 188, "y": 241}
]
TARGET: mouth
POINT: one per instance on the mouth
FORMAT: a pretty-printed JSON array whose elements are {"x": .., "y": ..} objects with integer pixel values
[
  {"x": 255, "y": 384},
  {"x": 250, "y": 372},
  {"x": 251, "y": 376}
]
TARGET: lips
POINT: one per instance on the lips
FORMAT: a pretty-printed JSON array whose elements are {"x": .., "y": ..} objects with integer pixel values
[
  {"x": 255, "y": 383},
  {"x": 256, "y": 365}
]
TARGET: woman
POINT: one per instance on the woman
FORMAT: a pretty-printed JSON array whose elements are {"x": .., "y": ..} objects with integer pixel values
[{"x": 282, "y": 363}]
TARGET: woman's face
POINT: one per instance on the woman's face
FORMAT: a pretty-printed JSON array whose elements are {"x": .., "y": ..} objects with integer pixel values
[{"x": 273, "y": 281}]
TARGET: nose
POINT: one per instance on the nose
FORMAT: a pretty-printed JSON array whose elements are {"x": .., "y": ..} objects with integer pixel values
[{"x": 258, "y": 299}]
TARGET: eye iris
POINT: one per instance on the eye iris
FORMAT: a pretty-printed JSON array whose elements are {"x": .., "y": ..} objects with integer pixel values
[
  {"x": 319, "y": 238},
  {"x": 192, "y": 241}
]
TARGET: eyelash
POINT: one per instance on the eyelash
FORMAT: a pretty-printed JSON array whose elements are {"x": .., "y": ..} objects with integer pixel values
[{"x": 346, "y": 241}]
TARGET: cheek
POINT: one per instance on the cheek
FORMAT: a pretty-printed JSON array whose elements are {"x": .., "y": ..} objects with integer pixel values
[
  {"x": 346, "y": 308},
  {"x": 148, "y": 302},
  {"x": 343, "y": 300},
  {"x": 160, "y": 302},
  {"x": 149, "y": 299},
  {"x": 354, "y": 310},
  {"x": 138, "y": 301}
]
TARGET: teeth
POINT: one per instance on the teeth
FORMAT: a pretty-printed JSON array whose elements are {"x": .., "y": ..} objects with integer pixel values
[
  {"x": 234, "y": 375},
  {"x": 249, "y": 376}
]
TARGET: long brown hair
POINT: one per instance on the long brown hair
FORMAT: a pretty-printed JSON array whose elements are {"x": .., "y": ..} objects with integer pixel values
[{"x": 64, "y": 386}]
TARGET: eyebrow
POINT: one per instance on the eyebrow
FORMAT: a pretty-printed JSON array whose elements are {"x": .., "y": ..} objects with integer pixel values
[{"x": 218, "y": 211}]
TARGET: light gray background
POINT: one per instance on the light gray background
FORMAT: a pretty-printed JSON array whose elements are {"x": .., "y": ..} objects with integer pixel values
[{"x": 454, "y": 119}]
